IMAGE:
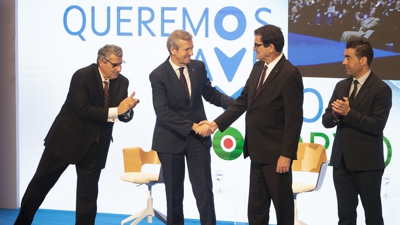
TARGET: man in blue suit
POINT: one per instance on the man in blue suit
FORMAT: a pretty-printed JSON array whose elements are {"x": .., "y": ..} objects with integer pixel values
[
  {"x": 359, "y": 108},
  {"x": 81, "y": 135},
  {"x": 178, "y": 86}
]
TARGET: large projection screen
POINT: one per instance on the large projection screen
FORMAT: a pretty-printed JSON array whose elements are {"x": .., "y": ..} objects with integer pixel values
[{"x": 57, "y": 38}]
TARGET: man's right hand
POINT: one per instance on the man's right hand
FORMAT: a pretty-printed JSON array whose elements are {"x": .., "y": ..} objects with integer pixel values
[
  {"x": 202, "y": 129},
  {"x": 213, "y": 125},
  {"x": 205, "y": 128}
]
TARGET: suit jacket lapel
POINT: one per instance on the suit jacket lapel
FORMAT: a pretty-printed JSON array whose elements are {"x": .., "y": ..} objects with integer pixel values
[
  {"x": 363, "y": 91},
  {"x": 112, "y": 93},
  {"x": 271, "y": 76},
  {"x": 192, "y": 74},
  {"x": 98, "y": 85},
  {"x": 173, "y": 77},
  {"x": 253, "y": 82},
  {"x": 346, "y": 90}
]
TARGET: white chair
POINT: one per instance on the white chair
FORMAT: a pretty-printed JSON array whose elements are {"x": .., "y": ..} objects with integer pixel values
[
  {"x": 311, "y": 160},
  {"x": 135, "y": 160}
]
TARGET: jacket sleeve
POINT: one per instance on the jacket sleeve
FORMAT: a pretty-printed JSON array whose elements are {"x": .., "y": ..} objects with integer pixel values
[{"x": 374, "y": 123}]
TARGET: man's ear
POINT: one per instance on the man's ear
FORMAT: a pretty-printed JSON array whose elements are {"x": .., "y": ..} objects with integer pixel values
[
  {"x": 363, "y": 60},
  {"x": 172, "y": 50}
]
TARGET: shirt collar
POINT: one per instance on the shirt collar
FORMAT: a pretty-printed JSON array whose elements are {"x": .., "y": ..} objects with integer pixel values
[
  {"x": 272, "y": 64},
  {"x": 102, "y": 77},
  {"x": 363, "y": 78},
  {"x": 174, "y": 66}
]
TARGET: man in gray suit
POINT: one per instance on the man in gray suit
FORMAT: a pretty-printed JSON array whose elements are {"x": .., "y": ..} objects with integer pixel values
[
  {"x": 367, "y": 28},
  {"x": 179, "y": 85},
  {"x": 81, "y": 135},
  {"x": 359, "y": 108}
]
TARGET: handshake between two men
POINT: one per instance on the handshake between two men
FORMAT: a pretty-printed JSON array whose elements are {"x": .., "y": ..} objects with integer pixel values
[{"x": 205, "y": 128}]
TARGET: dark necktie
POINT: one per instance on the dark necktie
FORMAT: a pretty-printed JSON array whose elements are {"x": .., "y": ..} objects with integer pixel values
[
  {"x": 354, "y": 92},
  {"x": 105, "y": 93},
  {"x": 261, "y": 79},
  {"x": 183, "y": 81}
]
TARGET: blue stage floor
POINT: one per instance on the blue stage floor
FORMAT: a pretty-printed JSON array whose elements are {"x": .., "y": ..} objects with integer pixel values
[{"x": 58, "y": 217}]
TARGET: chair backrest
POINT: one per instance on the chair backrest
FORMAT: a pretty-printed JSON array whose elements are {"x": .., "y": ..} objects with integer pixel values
[
  {"x": 310, "y": 157},
  {"x": 135, "y": 158}
]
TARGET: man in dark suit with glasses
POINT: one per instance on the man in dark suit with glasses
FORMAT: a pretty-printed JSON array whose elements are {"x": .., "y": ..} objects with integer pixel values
[{"x": 81, "y": 135}]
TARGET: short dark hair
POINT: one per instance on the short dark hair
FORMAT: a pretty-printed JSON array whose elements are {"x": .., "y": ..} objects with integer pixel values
[
  {"x": 362, "y": 48},
  {"x": 271, "y": 34}
]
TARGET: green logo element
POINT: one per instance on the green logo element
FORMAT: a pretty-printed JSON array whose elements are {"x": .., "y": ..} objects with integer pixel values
[
  {"x": 389, "y": 151},
  {"x": 229, "y": 144}
]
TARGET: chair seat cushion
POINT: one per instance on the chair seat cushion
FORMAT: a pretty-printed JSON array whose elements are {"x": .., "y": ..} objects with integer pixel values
[
  {"x": 139, "y": 178},
  {"x": 302, "y": 187}
]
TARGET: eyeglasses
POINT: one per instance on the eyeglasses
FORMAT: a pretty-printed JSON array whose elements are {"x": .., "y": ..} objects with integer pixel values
[
  {"x": 257, "y": 45},
  {"x": 115, "y": 64}
]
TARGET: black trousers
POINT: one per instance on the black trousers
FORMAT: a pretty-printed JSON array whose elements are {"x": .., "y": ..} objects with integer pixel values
[
  {"x": 48, "y": 172},
  {"x": 265, "y": 186},
  {"x": 351, "y": 184}
]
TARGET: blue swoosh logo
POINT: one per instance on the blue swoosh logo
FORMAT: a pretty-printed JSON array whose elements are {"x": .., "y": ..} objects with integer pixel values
[{"x": 229, "y": 64}]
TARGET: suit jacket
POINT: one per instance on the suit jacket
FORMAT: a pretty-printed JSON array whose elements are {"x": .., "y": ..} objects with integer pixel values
[
  {"x": 359, "y": 135},
  {"x": 175, "y": 112},
  {"x": 274, "y": 117},
  {"x": 83, "y": 116}
]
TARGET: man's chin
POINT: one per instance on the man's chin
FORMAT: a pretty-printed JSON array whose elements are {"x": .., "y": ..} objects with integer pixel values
[{"x": 114, "y": 77}]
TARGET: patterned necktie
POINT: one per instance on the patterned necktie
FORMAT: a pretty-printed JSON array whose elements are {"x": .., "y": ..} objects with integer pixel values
[
  {"x": 262, "y": 79},
  {"x": 354, "y": 92},
  {"x": 183, "y": 81},
  {"x": 105, "y": 93}
]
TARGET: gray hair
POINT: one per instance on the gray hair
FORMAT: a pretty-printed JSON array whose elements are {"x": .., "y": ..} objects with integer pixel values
[
  {"x": 175, "y": 36},
  {"x": 108, "y": 50}
]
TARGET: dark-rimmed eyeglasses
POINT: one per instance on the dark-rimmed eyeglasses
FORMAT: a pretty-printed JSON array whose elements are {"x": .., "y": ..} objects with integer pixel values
[
  {"x": 115, "y": 64},
  {"x": 257, "y": 45}
]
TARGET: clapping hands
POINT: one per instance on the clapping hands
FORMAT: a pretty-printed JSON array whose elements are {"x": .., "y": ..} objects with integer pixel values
[
  {"x": 205, "y": 128},
  {"x": 340, "y": 107},
  {"x": 127, "y": 104}
]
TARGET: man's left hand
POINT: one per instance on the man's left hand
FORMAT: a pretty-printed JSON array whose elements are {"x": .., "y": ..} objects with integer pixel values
[{"x": 283, "y": 164}]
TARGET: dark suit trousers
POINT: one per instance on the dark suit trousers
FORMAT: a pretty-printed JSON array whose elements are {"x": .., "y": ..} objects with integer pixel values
[
  {"x": 350, "y": 184},
  {"x": 49, "y": 170},
  {"x": 199, "y": 166},
  {"x": 267, "y": 185}
]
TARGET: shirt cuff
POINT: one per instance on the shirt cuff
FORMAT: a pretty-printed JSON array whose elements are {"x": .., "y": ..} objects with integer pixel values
[{"x": 112, "y": 114}]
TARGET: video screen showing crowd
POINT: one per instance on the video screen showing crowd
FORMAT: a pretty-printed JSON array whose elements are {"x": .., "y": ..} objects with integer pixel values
[{"x": 340, "y": 20}]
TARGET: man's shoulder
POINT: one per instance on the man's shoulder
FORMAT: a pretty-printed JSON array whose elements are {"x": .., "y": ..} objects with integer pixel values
[
  {"x": 161, "y": 67},
  {"x": 85, "y": 71},
  {"x": 344, "y": 81},
  {"x": 288, "y": 68},
  {"x": 196, "y": 63},
  {"x": 122, "y": 78},
  {"x": 377, "y": 81},
  {"x": 88, "y": 68}
]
